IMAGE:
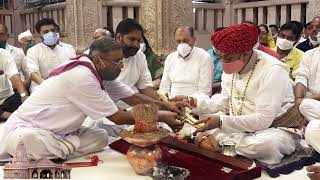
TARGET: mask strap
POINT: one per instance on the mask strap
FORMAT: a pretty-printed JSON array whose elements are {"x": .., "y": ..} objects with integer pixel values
[{"x": 102, "y": 62}]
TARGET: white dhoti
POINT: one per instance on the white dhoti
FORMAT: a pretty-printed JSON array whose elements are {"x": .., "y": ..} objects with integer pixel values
[
  {"x": 41, "y": 143},
  {"x": 268, "y": 146},
  {"x": 312, "y": 135},
  {"x": 309, "y": 108}
]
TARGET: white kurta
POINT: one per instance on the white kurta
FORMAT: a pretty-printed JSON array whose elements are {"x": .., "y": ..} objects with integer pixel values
[
  {"x": 19, "y": 56},
  {"x": 269, "y": 94},
  {"x": 42, "y": 59},
  {"x": 135, "y": 72},
  {"x": 192, "y": 75},
  {"x": 58, "y": 108},
  {"x": 7, "y": 69},
  {"x": 309, "y": 75}
]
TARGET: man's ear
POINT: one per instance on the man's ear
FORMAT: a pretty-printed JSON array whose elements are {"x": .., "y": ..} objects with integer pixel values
[{"x": 118, "y": 37}]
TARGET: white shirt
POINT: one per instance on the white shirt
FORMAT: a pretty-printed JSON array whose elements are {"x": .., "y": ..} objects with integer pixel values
[
  {"x": 309, "y": 71},
  {"x": 42, "y": 59},
  {"x": 7, "y": 69},
  {"x": 117, "y": 90},
  {"x": 269, "y": 95},
  {"x": 192, "y": 75},
  {"x": 135, "y": 72},
  {"x": 18, "y": 56},
  {"x": 61, "y": 103}
]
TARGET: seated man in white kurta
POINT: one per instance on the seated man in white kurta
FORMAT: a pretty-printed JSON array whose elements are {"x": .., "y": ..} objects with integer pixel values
[
  {"x": 48, "y": 54},
  {"x": 188, "y": 70},
  {"x": 307, "y": 93},
  {"x": 255, "y": 90},
  {"x": 49, "y": 123}
]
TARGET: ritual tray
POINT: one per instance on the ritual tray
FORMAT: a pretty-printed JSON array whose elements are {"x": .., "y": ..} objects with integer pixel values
[{"x": 202, "y": 164}]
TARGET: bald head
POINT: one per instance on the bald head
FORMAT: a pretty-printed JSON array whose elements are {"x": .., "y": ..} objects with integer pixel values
[
  {"x": 3, "y": 33},
  {"x": 100, "y": 33},
  {"x": 185, "y": 34},
  {"x": 314, "y": 27}
]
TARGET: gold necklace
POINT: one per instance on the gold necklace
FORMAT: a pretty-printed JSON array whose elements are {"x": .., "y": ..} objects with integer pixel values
[{"x": 244, "y": 92}]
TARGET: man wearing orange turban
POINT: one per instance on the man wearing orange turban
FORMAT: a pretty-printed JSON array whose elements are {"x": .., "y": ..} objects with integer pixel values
[{"x": 256, "y": 90}]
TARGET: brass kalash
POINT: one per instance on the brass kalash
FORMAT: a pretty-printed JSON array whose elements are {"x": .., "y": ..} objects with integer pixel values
[{"x": 144, "y": 155}]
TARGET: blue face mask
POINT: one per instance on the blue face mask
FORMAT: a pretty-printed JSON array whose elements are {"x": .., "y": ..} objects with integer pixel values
[
  {"x": 50, "y": 38},
  {"x": 318, "y": 37}
]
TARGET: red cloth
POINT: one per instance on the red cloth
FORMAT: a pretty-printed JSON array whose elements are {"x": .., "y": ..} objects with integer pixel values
[
  {"x": 235, "y": 39},
  {"x": 268, "y": 51},
  {"x": 73, "y": 64},
  {"x": 200, "y": 167}
]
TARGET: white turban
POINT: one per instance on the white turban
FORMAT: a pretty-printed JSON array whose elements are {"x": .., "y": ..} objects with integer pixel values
[{"x": 24, "y": 34}]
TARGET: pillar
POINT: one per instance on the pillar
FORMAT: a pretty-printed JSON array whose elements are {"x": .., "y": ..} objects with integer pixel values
[
  {"x": 160, "y": 18},
  {"x": 313, "y": 9},
  {"x": 83, "y": 18}
]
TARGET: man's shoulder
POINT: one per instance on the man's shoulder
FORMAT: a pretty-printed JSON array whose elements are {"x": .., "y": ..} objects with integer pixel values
[{"x": 201, "y": 52}]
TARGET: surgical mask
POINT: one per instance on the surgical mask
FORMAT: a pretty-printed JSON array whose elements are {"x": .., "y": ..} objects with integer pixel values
[
  {"x": 232, "y": 67},
  {"x": 129, "y": 51},
  {"x": 284, "y": 44},
  {"x": 184, "y": 49},
  {"x": 3, "y": 44},
  {"x": 58, "y": 36},
  {"x": 107, "y": 73},
  {"x": 313, "y": 42},
  {"x": 30, "y": 45},
  {"x": 318, "y": 37},
  {"x": 50, "y": 38},
  {"x": 143, "y": 47}
]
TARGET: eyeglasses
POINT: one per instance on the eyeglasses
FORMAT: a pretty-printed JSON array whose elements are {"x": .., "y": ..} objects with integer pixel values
[{"x": 113, "y": 62}]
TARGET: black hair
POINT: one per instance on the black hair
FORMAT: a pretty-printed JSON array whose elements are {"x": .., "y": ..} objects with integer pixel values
[
  {"x": 57, "y": 26},
  {"x": 43, "y": 22},
  {"x": 104, "y": 44},
  {"x": 265, "y": 26},
  {"x": 274, "y": 26},
  {"x": 127, "y": 26},
  {"x": 306, "y": 25},
  {"x": 110, "y": 30},
  {"x": 292, "y": 26},
  {"x": 190, "y": 29},
  {"x": 299, "y": 25}
]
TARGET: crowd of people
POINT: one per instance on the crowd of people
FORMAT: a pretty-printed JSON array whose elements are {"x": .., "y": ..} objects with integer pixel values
[{"x": 256, "y": 85}]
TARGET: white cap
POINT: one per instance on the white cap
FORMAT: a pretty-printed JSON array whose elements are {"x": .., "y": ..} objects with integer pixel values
[{"x": 24, "y": 34}]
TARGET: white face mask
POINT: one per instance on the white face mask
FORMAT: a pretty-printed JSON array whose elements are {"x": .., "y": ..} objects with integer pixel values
[
  {"x": 184, "y": 49},
  {"x": 143, "y": 47},
  {"x": 313, "y": 42},
  {"x": 50, "y": 38},
  {"x": 284, "y": 44}
]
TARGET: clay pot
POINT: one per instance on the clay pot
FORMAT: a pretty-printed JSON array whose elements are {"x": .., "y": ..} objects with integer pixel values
[{"x": 143, "y": 159}]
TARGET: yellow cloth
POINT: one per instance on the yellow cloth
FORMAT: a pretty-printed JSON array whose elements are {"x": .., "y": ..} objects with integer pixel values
[
  {"x": 271, "y": 43},
  {"x": 293, "y": 61}
]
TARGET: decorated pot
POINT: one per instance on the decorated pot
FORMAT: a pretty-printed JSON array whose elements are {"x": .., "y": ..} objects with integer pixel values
[{"x": 143, "y": 159}]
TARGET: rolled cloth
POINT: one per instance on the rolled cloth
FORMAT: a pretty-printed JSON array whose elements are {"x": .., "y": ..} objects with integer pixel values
[{"x": 235, "y": 39}]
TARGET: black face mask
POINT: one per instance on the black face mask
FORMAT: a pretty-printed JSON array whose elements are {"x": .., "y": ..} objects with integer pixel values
[
  {"x": 129, "y": 51},
  {"x": 109, "y": 74}
]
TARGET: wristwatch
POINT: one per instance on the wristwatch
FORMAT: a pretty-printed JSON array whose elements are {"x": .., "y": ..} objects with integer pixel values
[{"x": 23, "y": 94}]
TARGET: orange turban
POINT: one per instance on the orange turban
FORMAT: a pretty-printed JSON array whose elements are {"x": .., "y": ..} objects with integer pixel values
[{"x": 235, "y": 39}]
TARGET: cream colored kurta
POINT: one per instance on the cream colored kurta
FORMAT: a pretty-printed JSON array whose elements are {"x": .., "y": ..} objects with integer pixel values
[
  {"x": 309, "y": 75},
  {"x": 269, "y": 94}
]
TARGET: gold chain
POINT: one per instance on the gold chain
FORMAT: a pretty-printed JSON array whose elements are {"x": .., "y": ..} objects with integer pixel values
[{"x": 244, "y": 92}]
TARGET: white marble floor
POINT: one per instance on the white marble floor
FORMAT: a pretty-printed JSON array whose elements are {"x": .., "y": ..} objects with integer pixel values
[{"x": 115, "y": 166}]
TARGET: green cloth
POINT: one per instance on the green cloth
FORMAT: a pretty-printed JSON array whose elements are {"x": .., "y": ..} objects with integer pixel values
[{"x": 155, "y": 68}]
